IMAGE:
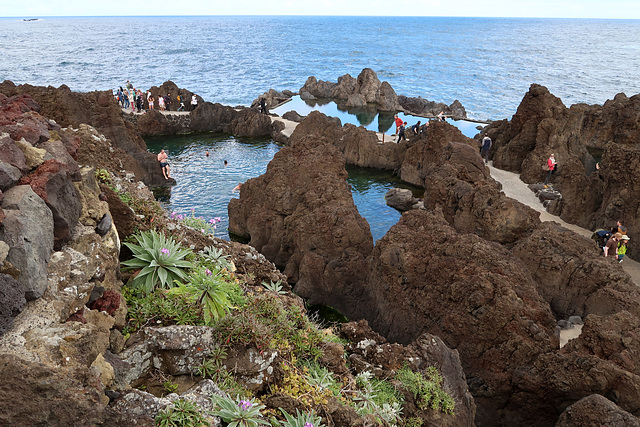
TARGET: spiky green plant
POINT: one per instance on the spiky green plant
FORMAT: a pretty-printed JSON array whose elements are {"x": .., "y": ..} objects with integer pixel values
[
  {"x": 207, "y": 289},
  {"x": 239, "y": 413},
  {"x": 160, "y": 260},
  {"x": 216, "y": 258},
  {"x": 302, "y": 419},
  {"x": 274, "y": 287},
  {"x": 182, "y": 414}
]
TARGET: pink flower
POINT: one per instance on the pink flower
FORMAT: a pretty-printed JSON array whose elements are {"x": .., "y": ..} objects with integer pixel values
[
  {"x": 165, "y": 251},
  {"x": 208, "y": 272}
]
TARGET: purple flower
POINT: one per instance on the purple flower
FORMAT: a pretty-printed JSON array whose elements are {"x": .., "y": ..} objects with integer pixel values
[
  {"x": 308, "y": 425},
  {"x": 217, "y": 219},
  {"x": 212, "y": 221},
  {"x": 245, "y": 404},
  {"x": 208, "y": 272},
  {"x": 165, "y": 251},
  {"x": 173, "y": 214},
  {"x": 202, "y": 230}
]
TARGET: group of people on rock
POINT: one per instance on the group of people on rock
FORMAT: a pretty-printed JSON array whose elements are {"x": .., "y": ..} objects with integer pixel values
[
  {"x": 130, "y": 97},
  {"x": 617, "y": 243},
  {"x": 401, "y": 127}
]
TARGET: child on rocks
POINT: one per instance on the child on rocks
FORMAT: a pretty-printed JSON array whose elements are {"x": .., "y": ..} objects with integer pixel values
[{"x": 622, "y": 247}]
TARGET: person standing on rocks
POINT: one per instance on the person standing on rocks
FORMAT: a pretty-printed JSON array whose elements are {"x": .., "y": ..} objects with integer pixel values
[
  {"x": 398, "y": 122},
  {"x": 622, "y": 247},
  {"x": 161, "y": 102},
  {"x": 551, "y": 167},
  {"x": 163, "y": 158},
  {"x": 401, "y": 136},
  {"x": 263, "y": 107},
  {"x": 484, "y": 150},
  {"x": 612, "y": 245},
  {"x": 194, "y": 102}
]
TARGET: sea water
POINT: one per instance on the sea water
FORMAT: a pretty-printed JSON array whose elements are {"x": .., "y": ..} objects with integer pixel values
[{"x": 486, "y": 63}]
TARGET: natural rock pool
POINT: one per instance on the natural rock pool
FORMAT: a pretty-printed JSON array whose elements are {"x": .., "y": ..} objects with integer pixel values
[{"x": 205, "y": 185}]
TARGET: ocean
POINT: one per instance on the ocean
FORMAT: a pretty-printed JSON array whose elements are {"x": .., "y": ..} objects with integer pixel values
[{"x": 486, "y": 63}]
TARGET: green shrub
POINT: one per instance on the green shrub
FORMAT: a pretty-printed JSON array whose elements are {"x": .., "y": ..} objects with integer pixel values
[
  {"x": 159, "y": 309},
  {"x": 182, "y": 414},
  {"x": 160, "y": 259},
  {"x": 266, "y": 323},
  {"x": 378, "y": 398},
  {"x": 239, "y": 413},
  {"x": 426, "y": 389}
]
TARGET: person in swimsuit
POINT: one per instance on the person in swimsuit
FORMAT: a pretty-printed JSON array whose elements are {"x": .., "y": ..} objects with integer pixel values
[{"x": 163, "y": 158}]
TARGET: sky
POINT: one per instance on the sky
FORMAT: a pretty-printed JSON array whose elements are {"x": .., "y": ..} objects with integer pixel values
[{"x": 615, "y": 9}]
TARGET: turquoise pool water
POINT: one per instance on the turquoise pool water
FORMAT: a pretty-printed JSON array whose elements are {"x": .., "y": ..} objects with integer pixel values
[{"x": 205, "y": 185}]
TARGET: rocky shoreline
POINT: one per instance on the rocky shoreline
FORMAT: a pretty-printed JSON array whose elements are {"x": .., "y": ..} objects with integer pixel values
[{"x": 472, "y": 283}]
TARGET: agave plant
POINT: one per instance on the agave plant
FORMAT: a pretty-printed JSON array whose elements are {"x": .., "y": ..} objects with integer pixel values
[
  {"x": 302, "y": 419},
  {"x": 239, "y": 413},
  {"x": 160, "y": 259},
  {"x": 207, "y": 289},
  {"x": 274, "y": 287},
  {"x": 216, "y": 257}
]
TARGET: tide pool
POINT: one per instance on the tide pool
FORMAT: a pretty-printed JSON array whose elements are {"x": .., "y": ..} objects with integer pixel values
[
  {"x": 368, "y": 117},
  {"x": 205, "y": 185}
]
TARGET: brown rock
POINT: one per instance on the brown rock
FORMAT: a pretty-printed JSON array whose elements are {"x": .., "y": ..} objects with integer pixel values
[
  {"x": 301, "y": 216},
  {"x": 596, "y": 410},
  {"x": 573, "y": 277}
]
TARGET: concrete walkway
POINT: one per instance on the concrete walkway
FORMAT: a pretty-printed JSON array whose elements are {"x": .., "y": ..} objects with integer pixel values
[{"x": 513, "y": 187}]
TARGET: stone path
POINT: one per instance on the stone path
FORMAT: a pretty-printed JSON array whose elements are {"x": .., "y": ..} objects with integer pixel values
[{"x": 513, "y": 187}]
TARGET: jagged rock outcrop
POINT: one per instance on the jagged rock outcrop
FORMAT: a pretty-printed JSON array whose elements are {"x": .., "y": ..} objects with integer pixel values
[
  {"x": 425, "y": 277},
  {"x": 301, "y": 216},
  {"x": 52, "y": 182},
  {"x": 12, "y": 300},
  {"x": 596, "y": 410},
  {"x": 366, "y": 89},
  {"x": 422, "y": 107},
  {"x": 171, "y": 89},
  {"x": 543, "y": 125}
]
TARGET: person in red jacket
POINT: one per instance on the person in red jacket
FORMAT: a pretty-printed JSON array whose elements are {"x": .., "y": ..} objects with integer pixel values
[
  {"x": 398, "y": 122},
  {"x": 551, "y": 165}
]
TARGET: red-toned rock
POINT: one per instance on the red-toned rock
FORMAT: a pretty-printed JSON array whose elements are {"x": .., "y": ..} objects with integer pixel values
[
  {"x": 109, "y": 302},
  {"x": 11, "y": 154}
]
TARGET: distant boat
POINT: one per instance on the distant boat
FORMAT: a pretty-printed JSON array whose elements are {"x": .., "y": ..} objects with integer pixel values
[{"x": 31, "y": 19}]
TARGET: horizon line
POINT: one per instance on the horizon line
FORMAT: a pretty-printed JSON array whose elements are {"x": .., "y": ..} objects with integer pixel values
[{"x": 317, "y": 16}]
